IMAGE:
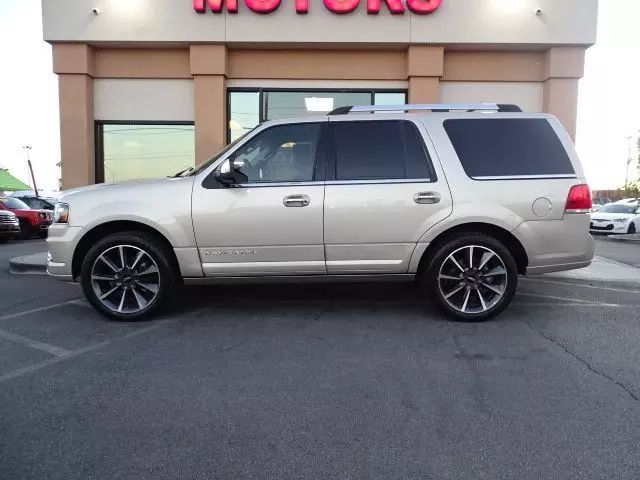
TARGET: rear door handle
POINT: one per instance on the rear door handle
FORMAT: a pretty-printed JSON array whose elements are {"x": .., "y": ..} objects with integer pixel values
[
  {"x": 426, "y": 197},
  {"x": 296, "y": 201}
]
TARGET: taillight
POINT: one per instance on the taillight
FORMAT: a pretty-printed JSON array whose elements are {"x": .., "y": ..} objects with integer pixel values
[{"x": 579, "y": 200}]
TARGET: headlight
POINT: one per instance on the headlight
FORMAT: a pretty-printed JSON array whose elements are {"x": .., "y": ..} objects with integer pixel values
[
  {"x": 61, "y": 213},
  {"x": 620, "y": 220},
  {"x": 42, "y": 215}
]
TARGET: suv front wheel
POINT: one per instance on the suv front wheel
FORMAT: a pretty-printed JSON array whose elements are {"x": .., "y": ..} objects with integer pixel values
[
  {"x": 127, "y": 276},
  {"x": 472, "y": 277}
]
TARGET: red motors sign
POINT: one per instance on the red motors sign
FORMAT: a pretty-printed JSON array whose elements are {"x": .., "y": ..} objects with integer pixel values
[{"x": 421, "y": 7}]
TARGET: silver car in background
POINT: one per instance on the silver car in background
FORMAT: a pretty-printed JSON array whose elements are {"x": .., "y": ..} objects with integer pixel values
[{"x": 461, "y": 198}]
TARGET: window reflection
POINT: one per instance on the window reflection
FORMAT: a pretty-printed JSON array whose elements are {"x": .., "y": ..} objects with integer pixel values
[
  {"x": 146, "y": 150},
  {"x": 302, "y": 104},
  {"x": 244, "y": 113}
]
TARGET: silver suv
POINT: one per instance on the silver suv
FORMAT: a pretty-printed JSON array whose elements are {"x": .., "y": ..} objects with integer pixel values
[{"x": 461, "y": 198}]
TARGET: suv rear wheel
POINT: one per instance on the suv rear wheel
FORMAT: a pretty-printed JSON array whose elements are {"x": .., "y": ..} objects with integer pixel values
[
  {"x": 472, "y": 277},
  {"x": 127, "y": 276}
]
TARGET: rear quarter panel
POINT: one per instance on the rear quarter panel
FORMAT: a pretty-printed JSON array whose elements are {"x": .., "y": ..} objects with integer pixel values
[{"x": 508, "y": 203}]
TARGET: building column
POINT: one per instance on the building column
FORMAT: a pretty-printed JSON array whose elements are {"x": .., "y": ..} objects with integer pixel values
[
  {"x": 74, "y": 65},
  {"x": 564, "y": 67},
  {"x": 209, "y": 68},
  {"x": 424, "y": 68}
]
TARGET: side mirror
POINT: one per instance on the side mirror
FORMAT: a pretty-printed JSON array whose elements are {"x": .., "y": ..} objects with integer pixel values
[{"x": 228, "y": 174}]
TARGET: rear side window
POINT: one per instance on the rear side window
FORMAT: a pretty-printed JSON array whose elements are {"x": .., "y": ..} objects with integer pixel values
[
  {"x": 379, "y": 150},
  {"x": 508, "y": 147}
]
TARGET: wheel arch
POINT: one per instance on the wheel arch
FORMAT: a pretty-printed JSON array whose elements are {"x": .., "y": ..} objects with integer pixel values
[
  {"x": 509, "y": 240},
  {"x": 100, "y": 231}
]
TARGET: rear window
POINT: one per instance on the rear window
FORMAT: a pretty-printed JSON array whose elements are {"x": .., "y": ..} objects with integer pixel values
[{"x": 508, "y": 147}]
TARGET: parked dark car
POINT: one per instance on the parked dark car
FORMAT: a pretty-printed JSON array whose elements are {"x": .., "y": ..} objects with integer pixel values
[
  {"x": 37, "y": 203},
  {"x": 9, "y": 226},
  {"x": 32, "y": 221}
]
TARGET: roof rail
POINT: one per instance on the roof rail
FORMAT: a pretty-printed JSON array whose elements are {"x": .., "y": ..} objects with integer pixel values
[{"x": 433, "y": 107}]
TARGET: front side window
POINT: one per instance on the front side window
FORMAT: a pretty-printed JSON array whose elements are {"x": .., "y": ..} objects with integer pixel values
[
  {"x": 507, "y": 147},
  {"x": 284, "y": 153},
  {"x": 134, "y": 151},
  {"x": 379, "y": 150}
]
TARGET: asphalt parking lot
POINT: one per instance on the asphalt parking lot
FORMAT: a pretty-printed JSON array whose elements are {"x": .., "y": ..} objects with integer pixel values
[{"x": 319, "y": 381}]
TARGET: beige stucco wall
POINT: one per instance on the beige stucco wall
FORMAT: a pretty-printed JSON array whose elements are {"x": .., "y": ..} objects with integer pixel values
[
  {"x": 190, "y": 84},
  {"x": 456, "y": 22}
]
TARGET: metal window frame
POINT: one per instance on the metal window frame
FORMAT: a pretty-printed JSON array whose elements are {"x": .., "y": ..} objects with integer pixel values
[
  {"x": 99, "y": 138},
  {"x": 264, "y": 99}
]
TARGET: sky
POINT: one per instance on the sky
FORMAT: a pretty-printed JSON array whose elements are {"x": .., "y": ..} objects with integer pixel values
[{"x": 608, "y": 111}]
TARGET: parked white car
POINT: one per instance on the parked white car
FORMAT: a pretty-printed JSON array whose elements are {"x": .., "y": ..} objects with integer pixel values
[{"x": 616, "y": 218}]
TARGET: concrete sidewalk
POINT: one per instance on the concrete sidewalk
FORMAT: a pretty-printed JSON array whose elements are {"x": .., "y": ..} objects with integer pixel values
[
  {"x": 35, "y": 263},
  {"x": 601, "y": 269}
]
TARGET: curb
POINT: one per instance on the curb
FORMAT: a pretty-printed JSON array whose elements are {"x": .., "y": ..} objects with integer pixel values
[
  {"x": 29, "y": 264},
  {"x": 625, "y": 238}
]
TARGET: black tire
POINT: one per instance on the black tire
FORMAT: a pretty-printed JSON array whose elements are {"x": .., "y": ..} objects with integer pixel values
[
  {"x": 3, "y": 239},
  {"x": 167, "y": 275},
  {"x": 488, "y": 304},
  {"x": 632, "y": 228}
]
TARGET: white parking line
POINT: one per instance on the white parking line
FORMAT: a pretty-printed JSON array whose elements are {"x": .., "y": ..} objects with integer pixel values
[
  {"x": 566, "y": 299},
  {"x": 569, "y": 284},
  {"x": 74, "y": 353},
  {"x": 77, "y": 301},
  {"x": 44, "y": 347}
]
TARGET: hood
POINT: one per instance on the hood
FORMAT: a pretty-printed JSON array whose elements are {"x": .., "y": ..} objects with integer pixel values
[
  {"x": 611, "y": 216},
  {"x": 118, "y": 188}
]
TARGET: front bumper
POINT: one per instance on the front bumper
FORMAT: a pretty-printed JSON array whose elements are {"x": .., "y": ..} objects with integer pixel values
[
  {"x": 9, "y": 230},
  {"x": 608, "y": 227},
  {"x": 62, "y": 241}
]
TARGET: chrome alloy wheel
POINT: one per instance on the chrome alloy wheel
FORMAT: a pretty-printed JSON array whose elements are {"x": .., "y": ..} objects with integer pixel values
[
  {"x": 125, "y": 279},
  {"x": 472, "y": 279}
]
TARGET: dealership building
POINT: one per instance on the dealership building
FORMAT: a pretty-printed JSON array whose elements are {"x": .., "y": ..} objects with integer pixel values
[{"x": 150, "y": 87}]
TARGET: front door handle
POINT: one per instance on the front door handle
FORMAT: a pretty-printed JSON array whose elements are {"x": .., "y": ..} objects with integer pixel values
[
  {"x": 426, "y": 197},
  {"x": 296, "y": 201}
]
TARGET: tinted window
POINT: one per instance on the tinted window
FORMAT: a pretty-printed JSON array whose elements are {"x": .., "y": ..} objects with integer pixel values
[
  {"x": 417, "y": 162},
  {"x": 508, "y": 147},
  {"x": 284, "y": 153},
  {"x": 385, "y": 149}
]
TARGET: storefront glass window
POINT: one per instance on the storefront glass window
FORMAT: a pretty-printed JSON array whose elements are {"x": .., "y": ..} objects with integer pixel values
[
  {"x": 146, "y": 150},
  {"x": 244, "y": 112},
  {"x": 301, "y": 104},
  {"x": 389, "y": 98}
]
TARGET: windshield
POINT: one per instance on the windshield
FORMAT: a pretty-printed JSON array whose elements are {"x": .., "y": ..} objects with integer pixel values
[
  {"x": 617, "y": 208},
  {"x": 15, "y": 203},
  {"x": 205, "y": 165}
]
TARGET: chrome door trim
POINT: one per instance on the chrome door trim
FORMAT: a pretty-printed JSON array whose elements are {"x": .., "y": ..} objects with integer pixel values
[
  {"x": 278, "y": 184},
  {"x": 379, "y": 181},
  {"x": 524, "y": 177},
  {"x": 312, "y": 278}
]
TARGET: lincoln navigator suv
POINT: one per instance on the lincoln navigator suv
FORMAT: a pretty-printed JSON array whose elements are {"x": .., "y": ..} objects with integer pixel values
[{"x": 460, "y": 198}]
